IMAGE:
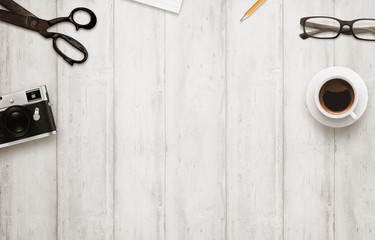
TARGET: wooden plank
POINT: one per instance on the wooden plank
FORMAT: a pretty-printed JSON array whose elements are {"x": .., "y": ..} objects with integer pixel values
[
  {"x": 355, "y": 190},
  {"x": 140, "y": 121},
  {"x": 28, "y": 171},
  {"x": 309, "y": 146},
  {"x": 85, "y": 140},
  {"x": 196, "y": 121},
  {"x": 255, "y": 122}
]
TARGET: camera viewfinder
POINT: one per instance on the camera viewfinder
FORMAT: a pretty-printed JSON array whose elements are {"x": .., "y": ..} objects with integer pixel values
[{"x": 33, "y": 95}]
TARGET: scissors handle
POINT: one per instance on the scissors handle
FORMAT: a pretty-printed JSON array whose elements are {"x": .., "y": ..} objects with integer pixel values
[
  {"x": 77, "y": 45},
  {"x": 70, "y": 19}
]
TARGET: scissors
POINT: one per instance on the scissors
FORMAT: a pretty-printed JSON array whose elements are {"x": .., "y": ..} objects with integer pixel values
[
  {"x": 21, "y": 17},
  {"x": 252, "y": 9}
]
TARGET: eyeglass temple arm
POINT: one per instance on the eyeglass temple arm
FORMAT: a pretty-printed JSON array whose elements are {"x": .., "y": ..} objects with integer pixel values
[
  {"x": 323, "y": 28},
  {"x": 366, "y": 29},
  {"x": 320, "y": 28}
]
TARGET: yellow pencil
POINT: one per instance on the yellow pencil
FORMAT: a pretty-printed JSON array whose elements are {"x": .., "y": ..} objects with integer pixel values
[{"x": 252, "y": 9}]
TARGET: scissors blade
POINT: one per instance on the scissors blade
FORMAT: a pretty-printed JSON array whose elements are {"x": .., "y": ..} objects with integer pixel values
[
  {"x": 252, "y": 9},
  {"x": 14, "y": 7},
  {"x": 27, "y": 22}
]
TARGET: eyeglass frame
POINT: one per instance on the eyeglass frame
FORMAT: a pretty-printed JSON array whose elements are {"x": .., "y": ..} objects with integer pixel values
[{"x": 343, "y": 23}]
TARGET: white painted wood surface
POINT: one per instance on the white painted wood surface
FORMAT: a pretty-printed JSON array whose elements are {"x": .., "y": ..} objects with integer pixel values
[
  {"x": 308, "y": 145},
  {"x": 190, "y": 126}
]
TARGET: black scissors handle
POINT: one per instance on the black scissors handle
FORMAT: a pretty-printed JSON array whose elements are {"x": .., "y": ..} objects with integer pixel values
[
  {"x": 70, "y": 19},
  {"x": 77, "y": 45}
]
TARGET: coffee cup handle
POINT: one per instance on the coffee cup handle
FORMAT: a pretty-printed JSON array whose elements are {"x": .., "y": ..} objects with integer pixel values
[{"x": 353, "y": 115}]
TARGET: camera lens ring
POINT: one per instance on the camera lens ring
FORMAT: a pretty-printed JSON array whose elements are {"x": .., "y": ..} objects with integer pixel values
[{"x": 16, "y": 121}]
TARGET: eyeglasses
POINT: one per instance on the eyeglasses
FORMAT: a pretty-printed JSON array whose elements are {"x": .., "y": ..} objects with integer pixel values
[{"x": 330, "y": 28}]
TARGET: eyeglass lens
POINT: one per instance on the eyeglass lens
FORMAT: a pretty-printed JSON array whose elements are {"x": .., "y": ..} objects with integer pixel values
[
  {"x": 364, "y": 29},
  {"x": 322, "y": 27}
]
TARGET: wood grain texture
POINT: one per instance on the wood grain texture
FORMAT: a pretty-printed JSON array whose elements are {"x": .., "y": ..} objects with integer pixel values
[
  {"x": 139, "y": 121},
  {"x": 85, "y": 138},
  {"x": 354, "y": 157},
  {"x": 190, "y": 126},
  {"x": 195, "y": 121},
  {"x": 28, "y": 171},
  {"x": 255, "y": 122},
  {"x": 309, "y": 146}
]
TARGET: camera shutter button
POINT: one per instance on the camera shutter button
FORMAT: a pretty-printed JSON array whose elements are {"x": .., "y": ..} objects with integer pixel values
[{"x": 36, "y": 115}]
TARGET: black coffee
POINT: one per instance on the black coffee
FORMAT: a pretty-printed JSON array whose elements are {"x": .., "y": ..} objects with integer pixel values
[
  {"x": 337, "y": 101},
  {"x": 336, "y": 96}
]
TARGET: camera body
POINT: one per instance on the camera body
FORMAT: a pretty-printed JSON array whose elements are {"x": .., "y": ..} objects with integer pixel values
[{"x": 25, "y": 116}]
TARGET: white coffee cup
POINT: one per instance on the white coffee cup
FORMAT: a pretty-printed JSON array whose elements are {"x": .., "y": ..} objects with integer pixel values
[{"x": 341, "y": 73}]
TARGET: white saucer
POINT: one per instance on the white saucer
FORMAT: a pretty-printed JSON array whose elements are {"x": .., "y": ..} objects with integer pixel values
[{"x": 336, "y": 72}]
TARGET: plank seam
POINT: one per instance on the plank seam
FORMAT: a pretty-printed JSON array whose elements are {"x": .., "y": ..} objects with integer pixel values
[
  {"x": 334, "y": 150},
  {"x": 57, "y": 139},
  {"x": 165, "y": 128},
  {"x": 283, "y": 126},
  {"x": 114, "y": 155},
  {"x": 226, "y": 116}
]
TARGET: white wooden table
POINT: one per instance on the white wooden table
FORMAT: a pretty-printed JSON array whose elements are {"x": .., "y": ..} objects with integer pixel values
[{"x": 190, "y": 126}]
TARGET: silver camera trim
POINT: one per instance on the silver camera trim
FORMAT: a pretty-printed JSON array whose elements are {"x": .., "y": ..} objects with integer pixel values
[
  {"x": 27, "y": 139},
  {"x": 20, "y": 98}
]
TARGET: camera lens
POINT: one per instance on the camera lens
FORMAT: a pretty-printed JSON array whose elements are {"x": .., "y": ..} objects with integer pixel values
[{"x": 16, "y": 121}]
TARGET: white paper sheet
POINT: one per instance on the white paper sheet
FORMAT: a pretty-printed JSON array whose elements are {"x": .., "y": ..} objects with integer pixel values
[{"x": 170, "y": 5}]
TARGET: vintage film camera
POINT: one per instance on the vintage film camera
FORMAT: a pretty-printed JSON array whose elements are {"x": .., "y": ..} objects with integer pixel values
[{"x": 25, "y": 116}]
